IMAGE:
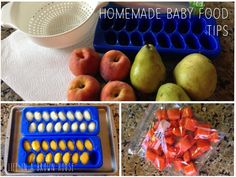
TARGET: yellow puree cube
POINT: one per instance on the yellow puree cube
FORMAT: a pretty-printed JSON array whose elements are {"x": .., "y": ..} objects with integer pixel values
[
  {"x": 79, "y": 145},
  {"x": 84, "y": 158},
  {"x": 35, "y": 145},
  {"x": 88, "y": 145},
  {"x": 27, "y": 145}
]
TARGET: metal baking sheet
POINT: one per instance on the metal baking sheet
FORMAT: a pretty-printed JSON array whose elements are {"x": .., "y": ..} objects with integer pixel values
[{"x": 107, "y": 134}]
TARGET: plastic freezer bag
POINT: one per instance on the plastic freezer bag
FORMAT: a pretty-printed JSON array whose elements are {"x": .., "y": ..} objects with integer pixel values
[{"x": 172, "y": 138}]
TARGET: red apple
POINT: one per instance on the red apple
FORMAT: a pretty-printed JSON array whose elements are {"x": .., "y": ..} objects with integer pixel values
[
  {"x": 114, "y": 66},
  {"x": 117, "y": 91},
  {"x": 83, "y": 88},
  {"x": 84, "y": 61}
]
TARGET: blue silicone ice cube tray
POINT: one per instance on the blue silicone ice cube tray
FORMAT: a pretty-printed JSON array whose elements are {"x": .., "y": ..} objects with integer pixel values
[
  {"x": 95, "y": 155},
  {"x": 48, "y": 121},
  {"x": 173, "y": 38}
]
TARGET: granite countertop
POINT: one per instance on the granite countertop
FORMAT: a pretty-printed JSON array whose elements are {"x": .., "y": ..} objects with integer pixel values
[
  {"x": 224, "y": 63},
  {"x": 5, "y": 111},
  {"x": 220, "y": 163}
]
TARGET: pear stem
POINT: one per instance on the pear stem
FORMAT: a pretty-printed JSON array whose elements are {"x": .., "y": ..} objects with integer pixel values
[{"x": 148, "y": 46}]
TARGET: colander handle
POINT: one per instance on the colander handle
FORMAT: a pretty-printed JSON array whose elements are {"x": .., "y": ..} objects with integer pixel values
[{"x": 6, "y": 20}]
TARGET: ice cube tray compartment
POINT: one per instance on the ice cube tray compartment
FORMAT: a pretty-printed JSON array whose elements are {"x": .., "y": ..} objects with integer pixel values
[
  {"x": 95, "y": 156},
  {"x": 176, "y": 37},
  {"x": 92, "y": 110}
]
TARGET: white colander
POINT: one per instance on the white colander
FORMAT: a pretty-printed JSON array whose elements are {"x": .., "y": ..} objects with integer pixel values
[{"x": 53, "y": 24}]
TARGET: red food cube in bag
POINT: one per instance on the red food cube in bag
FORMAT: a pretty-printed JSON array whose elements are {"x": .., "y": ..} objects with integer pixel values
[
  {"x": 182, "y": 122},
  {"x": 203, "y": 145},
  {"x": 159, "y": 151},
  {"x": 171, "y": 152},
  {"x": 187, "y": 156},
  {"x": 173, "y": 114},
  {"x": 176, "y": 131},
  {"x": 174, "y": 123},
  {"x": 184, "y": 143},
  {"x": 181, "y": 127},
  {"x": 195, "y": 152},
  {"x": 169, "y": 160},
  {"x": 160, "y": 163},
  {"x": 150, "y": 155},
  {"x": 178, "y": 164},
  {"x": 182, "y": 131},
  {"x": 170, "y": 140},
  {"x": 161, "y": 114},
  {"x": 190, "y": 169},
  {"x": 190, "y": 124},
  {"x": 203, "y": 131},
  {"x": 186, "y": 112},
  {"x": 199, "y": 148},
  {"x": 168, "y": 132},
  {"x": 191, "y": 135}
]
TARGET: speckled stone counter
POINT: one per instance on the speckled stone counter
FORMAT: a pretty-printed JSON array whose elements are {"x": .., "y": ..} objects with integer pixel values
[
  {"x": 224, "y": 63},
  {"x": 221, "y": 116},
  {"x": 5, "y": 111}
]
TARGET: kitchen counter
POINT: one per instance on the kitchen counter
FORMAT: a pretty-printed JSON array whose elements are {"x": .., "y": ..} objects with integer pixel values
[
  {"x": 5, "y": 111},
  {"x": 220, "y": 163},
  {"x": 224, "y": 63}
]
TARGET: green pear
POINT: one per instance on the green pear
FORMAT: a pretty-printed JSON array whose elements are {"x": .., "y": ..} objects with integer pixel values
[
  {"x": 148, "y": 70},
  {"x": 197, "y": 76},
  {"x": 171, "y": 92}
]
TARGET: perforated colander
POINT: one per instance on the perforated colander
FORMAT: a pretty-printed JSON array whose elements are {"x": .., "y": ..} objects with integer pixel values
[{"x": 52, "y": 24}]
